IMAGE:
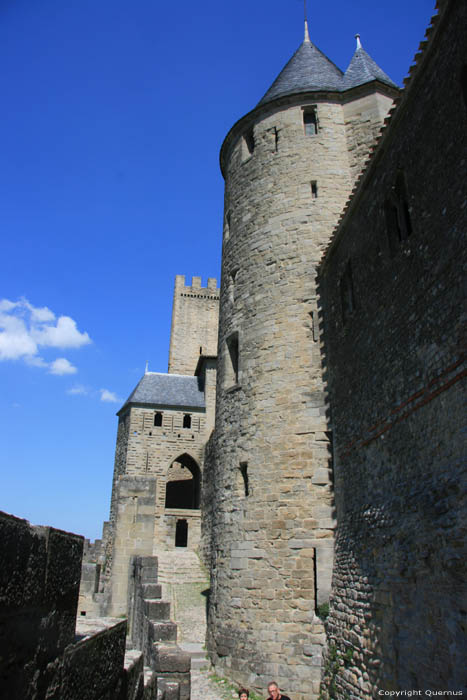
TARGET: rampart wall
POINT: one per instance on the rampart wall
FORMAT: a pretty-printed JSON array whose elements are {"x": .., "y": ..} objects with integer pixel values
[{"x": 391, "y": 290}]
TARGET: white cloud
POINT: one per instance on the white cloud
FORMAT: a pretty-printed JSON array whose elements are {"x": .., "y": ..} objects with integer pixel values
[
  {"x": 63, "y": 335},
  {"x": 62, "y": 366},
  {"x": 78, "y": 390},
  {"x": 24, "y": 328},
  {"x": 36, "y": 361},
  {"x": 109, "y": 396}
]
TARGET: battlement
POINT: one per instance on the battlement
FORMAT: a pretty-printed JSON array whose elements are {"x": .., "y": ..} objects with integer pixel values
[
  {"x": 195, "y": 319},
  {"x": 196, "y": 289}
]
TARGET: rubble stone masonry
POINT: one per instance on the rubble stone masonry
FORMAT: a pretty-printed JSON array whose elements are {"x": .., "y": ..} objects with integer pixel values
[{"x": 391, "y": 289}]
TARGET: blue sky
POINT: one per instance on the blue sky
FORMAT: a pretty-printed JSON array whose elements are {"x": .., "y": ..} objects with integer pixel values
[{"x": 112, "y": 119}]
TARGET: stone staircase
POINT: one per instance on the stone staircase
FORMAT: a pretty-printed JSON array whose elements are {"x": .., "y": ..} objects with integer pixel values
[
  {"x": 180, "y": 566},
  {"x": 184, "y": 582}
]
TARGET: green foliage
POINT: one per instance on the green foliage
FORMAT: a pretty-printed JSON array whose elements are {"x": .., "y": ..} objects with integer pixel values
[
  {"x": 334, "y": 662},
  {"x": 348, "y": 656},
  {"x": 231, "y": 688},
  {"x": 323, "y": 611}
]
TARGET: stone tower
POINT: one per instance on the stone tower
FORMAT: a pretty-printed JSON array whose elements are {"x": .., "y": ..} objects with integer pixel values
[
  {"x": 289, "y": 166},
  {"x": 195, "y": 315},
  {"x": 162, "y": 431}
]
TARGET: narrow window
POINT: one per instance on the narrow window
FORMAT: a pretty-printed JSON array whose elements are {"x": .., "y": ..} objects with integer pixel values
[
  {"x": 315, "y": 325},
  {"x": 187, "y": 420},
  {"x": 273, "y": 138},
  {"x": 231, "y": 361},
  {"x": 464, "y": 84},
  {"x": 398, "y": 223},
  {"x": 392, "y": 226},
  {"x": 310, "y": 121},
  {"x": 233, "y": 278},
  {"x": 405, "y": 225},
  {"x": 244, "y": 473},
  {"x": 250, "y": 141},
  {"x": 347, "y": 294},
  {"x": 181, "y": 533},
  {"x": 158, "y": 420},
  {"x": 314, "y": 189},
  {"x": 227, "y": 225}
]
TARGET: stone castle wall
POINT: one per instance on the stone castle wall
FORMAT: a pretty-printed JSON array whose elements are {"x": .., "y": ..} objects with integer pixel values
[
  {"x": 194, "y": 324},
  {"x": 391, "y": 295},
  {"x": 142, "y": 524},
  {"x": 268, "y": 505},
  {"x": 44, "y": 652}
]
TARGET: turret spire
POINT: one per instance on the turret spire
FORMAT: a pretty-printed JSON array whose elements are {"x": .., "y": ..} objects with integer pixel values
[
  {"x": 359, "y": 45},
  {"x": 307, "y": 36}
]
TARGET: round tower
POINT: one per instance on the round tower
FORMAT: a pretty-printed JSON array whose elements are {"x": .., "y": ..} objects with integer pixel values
[{"x": 268, "y": 502}]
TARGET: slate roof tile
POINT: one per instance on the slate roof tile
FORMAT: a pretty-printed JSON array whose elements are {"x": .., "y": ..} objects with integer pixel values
[
  {"x": 167, "y": 390},
  {"x": 310, "y": 70}
]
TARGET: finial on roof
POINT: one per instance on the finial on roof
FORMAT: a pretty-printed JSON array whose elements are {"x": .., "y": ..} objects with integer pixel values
[
  {"x": 359, "y": 45},
  {"x": 307, "y": 36},
  {"x": 147, "y": 366}
]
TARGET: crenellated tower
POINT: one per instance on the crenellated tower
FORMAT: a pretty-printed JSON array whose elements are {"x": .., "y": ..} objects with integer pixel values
[{"x": 289, "y": 166}]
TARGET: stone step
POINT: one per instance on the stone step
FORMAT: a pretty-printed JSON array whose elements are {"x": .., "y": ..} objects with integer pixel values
[
  {"x": 197, "y": 654},
  {"x": 180, "y": 567}
]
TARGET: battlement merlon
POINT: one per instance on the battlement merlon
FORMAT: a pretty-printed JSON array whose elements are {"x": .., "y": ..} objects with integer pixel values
[{"x": 196, "y": 285}]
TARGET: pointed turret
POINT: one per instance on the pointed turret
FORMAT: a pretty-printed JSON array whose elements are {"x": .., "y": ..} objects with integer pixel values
[
  {"x": 363, "y": 69},
  {"x": 308, "y": 70}
]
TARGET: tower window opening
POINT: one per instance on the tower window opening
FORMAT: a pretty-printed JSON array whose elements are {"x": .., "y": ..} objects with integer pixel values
[
  {"x": 314, "y": 189},
  {"x": 233, "y": 279},
  {"x": 187, "y": 420},
  {"x": 398, "y": 223},
  {"x": 250, "y": 141},
  {"x": 347, "y": 293},
  {"x": 158, "y": 420},
  {"x": 244, "y": 474},
  {"x": 310, "y": 121},
  {"x": 231, "y": 360},
  {"x": 227, "y": 225}
]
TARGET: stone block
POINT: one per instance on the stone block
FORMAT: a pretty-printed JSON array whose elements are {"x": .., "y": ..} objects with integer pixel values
[
  {"x": 170, "y": 659},
  {"x": 163, "y": 631},
  {"x": 152, "y": 590},
  {"x": 157, "y": 610}
]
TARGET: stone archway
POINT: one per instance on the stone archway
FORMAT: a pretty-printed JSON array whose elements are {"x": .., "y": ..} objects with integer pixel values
[{"x": 183, "y": 484}]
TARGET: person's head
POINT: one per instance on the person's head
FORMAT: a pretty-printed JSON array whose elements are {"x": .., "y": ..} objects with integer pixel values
[
  {"x": 243, "y": 694},
  {"x": 273, "y": 690}
]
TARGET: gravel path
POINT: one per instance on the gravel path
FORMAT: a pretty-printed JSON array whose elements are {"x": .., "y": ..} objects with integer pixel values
[{"x": 203, "y": 688}]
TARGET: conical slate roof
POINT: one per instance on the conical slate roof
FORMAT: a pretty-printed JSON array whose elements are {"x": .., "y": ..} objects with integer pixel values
[
  {"x": 362, "y": 69},
  {"x": 308, "y": 70}
]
